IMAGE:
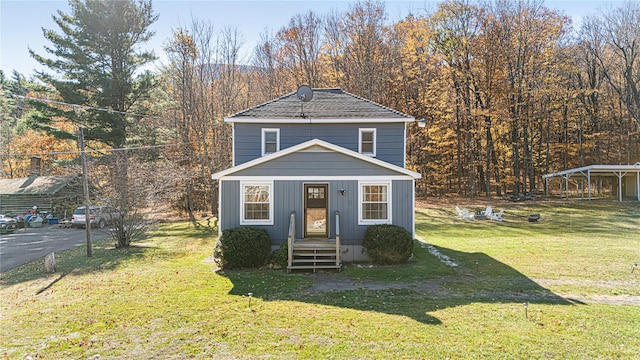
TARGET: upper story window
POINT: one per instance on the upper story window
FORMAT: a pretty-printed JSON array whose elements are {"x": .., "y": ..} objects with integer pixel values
[
  {"x": 367, "y": 142},
  {"x": 270, "y": 141}
]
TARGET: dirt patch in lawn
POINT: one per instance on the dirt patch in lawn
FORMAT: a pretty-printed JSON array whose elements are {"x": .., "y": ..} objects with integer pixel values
[{"x": 325, "y": 282}]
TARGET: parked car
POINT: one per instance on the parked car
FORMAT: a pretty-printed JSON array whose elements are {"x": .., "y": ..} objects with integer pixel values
[
  {"x": 100, "y": 216},
  {"x": 7, "y": 224}
]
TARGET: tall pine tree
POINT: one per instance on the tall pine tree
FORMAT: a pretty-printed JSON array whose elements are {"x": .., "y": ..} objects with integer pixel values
[{"x": 96, "y": 60}]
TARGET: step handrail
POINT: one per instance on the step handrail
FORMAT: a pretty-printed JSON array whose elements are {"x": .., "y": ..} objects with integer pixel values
[
  {"x": 337, "y": 238},
  {"x": 291, "y": 238}
]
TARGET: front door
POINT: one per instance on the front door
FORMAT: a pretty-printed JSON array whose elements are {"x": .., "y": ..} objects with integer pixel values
[{"x": 316, "y": 211}]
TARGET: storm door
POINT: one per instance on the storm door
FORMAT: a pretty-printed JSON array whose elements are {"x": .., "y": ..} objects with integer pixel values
[{"x": 316, "y": 211}]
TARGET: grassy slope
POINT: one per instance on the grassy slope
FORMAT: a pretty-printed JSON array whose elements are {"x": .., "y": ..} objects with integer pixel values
[{"x": 161, "y": 300}]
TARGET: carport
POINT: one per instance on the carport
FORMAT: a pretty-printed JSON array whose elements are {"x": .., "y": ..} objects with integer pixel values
[{"x": 628, "y": 178}]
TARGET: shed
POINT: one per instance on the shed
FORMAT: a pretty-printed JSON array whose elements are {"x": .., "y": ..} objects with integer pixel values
[{"x": 48, "y": 193}]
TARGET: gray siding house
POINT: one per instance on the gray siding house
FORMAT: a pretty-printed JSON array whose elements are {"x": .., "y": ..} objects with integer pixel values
[{"x": 316, "y": 174}]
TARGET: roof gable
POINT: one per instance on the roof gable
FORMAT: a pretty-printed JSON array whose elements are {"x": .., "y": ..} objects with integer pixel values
[
  {"x": 317, "y": 146},
  {"x": 326, "y": 105},
  {"x": 40, "y": 185}
]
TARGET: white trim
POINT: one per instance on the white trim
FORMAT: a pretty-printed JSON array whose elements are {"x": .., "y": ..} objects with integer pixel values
[
  {"x": 308, "y": 144},
  {"x": 389, "y": 219},
  {"x": 263, "y": 138},
  {"x": 304, "y": 205},
  {"x": 219, "y": 208},
  {"x": 318, "y": 178},
  {"x": 367, "y": 130},
  {"x": 316, "y": 149},
  {"x": 413, "y": 210},
  {"x": 244, "y": 221},
  {"x": 318, "y": 121}
]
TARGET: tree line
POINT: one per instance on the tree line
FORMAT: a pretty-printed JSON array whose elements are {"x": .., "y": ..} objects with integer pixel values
[{"x": 509, "y": 90}]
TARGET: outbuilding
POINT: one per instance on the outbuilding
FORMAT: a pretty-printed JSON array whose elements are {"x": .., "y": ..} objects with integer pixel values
[
  {"x": 625, "y": 184},
  {"x": 50, "y": 194}
]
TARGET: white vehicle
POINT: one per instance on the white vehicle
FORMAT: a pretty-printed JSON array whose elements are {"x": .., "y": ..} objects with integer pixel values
[{"x": 100, "y": 216}]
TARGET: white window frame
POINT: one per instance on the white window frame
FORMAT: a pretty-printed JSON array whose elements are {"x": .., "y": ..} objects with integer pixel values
[
  {"x": 244, "y": 221},
  {"x": 371, "y": 130},
  {"x": 361, "y": 185},
  {"x": 263, "y": 140}
]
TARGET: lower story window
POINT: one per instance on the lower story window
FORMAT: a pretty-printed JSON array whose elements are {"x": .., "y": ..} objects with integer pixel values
[
  {"x": 375, "y": 200},
  {"x": 257, "y": 203}
]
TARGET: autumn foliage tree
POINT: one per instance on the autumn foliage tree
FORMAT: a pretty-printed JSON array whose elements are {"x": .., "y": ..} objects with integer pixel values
[
  {"x": 506, "y": 92},
  {"x": 203, "y": 82},
  {"x": 508, "y": 89}
]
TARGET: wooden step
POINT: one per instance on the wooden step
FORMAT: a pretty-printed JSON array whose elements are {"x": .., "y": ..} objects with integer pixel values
[
  {"x": 314, "y": 261},
  {"x": 314, "y": 254},
  {"x": 305, "y": 252},
  {"x": 314, "y": 258},
  {"x": 314, "y": 245},
  {"x": 311, "y": 267}
]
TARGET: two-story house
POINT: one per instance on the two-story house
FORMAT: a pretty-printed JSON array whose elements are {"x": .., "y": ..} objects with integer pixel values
[{"x": 316, "y": 174}]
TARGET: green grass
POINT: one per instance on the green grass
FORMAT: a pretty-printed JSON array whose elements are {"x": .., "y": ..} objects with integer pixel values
[{"x": 160, "y": 299}]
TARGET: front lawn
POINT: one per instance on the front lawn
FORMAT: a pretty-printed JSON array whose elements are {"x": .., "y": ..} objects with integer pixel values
[{"x": 162, "y": 299}]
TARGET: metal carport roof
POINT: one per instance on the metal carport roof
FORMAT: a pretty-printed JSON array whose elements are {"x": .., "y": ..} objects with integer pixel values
[{"x": 618, "y": 170}]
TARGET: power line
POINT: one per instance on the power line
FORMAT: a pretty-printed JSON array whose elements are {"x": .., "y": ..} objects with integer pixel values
[
  {"x": 85, "y": 107},
  {"x": 86, "y": 151}
]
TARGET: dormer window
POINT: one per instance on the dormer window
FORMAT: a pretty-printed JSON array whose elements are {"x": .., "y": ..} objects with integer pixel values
[
  {"x": 270, "y": 141},
  {"x": 367, "y": 142}
]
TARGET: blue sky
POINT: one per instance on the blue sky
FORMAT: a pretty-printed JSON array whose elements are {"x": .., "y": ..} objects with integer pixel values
[{"x": 21, "y": 21}]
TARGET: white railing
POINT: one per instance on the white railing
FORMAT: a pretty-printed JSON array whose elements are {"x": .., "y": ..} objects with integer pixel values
[
  {"x": 337, "y": 238},
  {"x": 292, "y": 237}
]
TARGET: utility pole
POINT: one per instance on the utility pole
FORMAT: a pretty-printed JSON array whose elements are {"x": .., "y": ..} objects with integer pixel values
[{"x": 85, "y": 187}]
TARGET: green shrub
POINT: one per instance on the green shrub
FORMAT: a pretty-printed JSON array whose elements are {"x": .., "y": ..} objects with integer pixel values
[
  {"x": 242, "y": 247},
  {"x": 280, "y": 257},
  {"x": 387, "y": 244}
]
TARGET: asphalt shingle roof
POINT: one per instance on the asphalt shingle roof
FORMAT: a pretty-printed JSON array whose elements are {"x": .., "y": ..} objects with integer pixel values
[
  {"x": 325, "y": 104},
  {"x": 41, "y": 185}
]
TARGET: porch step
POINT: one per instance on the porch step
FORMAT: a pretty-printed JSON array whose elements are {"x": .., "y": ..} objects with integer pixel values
[
  {"x": 315, "y": 244},
  {"x": 314, "y": 260},
  {"x": 312, "y": 267},
  {"x": 314, "y": 254}
]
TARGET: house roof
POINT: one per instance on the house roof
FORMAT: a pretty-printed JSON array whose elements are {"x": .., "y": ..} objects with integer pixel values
[
  {"x": 315, "y": 144},
  {"x": 327, "y": 105},
  {"x": 601, "y": 169},
  {"x": 35, "y": 185}
]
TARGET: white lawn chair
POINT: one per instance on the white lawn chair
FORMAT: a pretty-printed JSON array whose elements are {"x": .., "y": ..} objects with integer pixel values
[
  {"x": 318, "y": 224},
  {"x": 464, "y": 213},
  {"x": 488, "y": 212},
  {"x": 497, "y": 216}
]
